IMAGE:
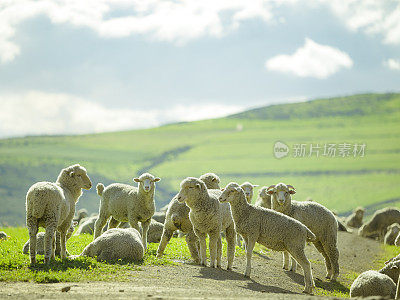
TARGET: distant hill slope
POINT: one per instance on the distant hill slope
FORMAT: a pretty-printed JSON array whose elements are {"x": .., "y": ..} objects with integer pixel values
[{"x": 235, "y": 153}]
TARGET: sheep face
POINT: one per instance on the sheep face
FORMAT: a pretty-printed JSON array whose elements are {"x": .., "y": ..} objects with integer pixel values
[
  {"x": 191, "y": 187},
  {"x": 229, "y": 193},
  {"x": 211, "y": 180},
  {"x": 281, "y": 193},
  {"x": 263, "y": 193},
  {"x": 146, "y": 182},
  {"x": 247, "y": 187},
  {"x": 80, "y": 175},
  {"x": 359, "y": 213}
]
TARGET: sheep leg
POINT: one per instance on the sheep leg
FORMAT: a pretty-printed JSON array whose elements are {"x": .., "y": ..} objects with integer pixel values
[
  {"x": 53, "y": 249},
  {"x": 250, "y": 243},
  {"x": 213, "y": 246},
  {"x": 230, "y": 239},
  {"x": 203, "y": 247},
  {"x": 239, "y": 240},
  {"x": 63, "y": 244},
  {"x": 113, "y": 223},
  {"x": 219, "y": 252},
  {"x": 165, "y": 238},
  {"x": 48, "y": 241},
  {"x": 32, "y": 224},
  {"x": 398, "y": 289},
  {"x": 301, "y": 258},
  {"x": 328, "y": 264},
  {"x": 293, "y": 265},
  {"x": 286, "y": 258},
  {"x": 333, "y": 254},
  {"x": 193, "y": 244},
  {"x": 145, "y": 226},
  {"x": 99, "y": 224}
]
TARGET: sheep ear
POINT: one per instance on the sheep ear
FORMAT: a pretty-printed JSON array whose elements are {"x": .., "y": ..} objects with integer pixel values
[
  {"x": 213, "y": 179},
  {"x": 74, "y": 223},
  {"x": 255, "y": 185},
  {"x": 157, "y": 179},
  {"x": 271, "y": 191},
  {"x": 198, "y": 185},
  {"x": 223, "y": 189},
  {"x": 136, "y": 179},
  {"x": 292, "y": 192},
  {"x": 72, "y": 174}
]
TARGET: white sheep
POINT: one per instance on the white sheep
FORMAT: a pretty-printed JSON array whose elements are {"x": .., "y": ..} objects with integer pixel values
[
  {"x": 177, "y": 218},
  {"x": 126, "y": 203},
  {"x": 208, "y": 216},
  {"x": 52, "y": 206},
  {"x": 116, "y": 244},
  {"x": 391, "y": 234},
  {"x": 379, "y": 222},
  {"x": 373, "y": 283},
  {"x": 86, "y": 226},
  {"x": 248, "y": 189},
  {"x": 81, "y": 214},
  {"x": 272, "y": 229},
  {"x": 317, "y": 218},
  {"x": 355, "y": 220},
  {"x": 155, "y": 231},
  {"x": 3, "y": 235},
  {"x": 263, "y": 199}
]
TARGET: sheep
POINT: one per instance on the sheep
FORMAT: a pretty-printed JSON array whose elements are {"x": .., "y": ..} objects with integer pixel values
[
  {"x": 355, "y": 220},
  {"x": 263, "y": 199},
  {"x": 379, "y": 222},
  {"x": 52, "y": 206},
  {"x": 40, "y": 241},
  {"x": 177, "y": 218},
  {"x": 272, "y": 229},
  {"x": 155, "y": 231},
  {"x": 126, "y": 203},
  {"x": 317, "y": 218},
  {"x": 81, "y": 214},
  {"x": 86, "y": 226},
  {"x": 116, "y": 244},
  {"x": 340, "y": 221},
  {"x": 391, "y": 234},
  {"x": 391, "y": 269},
  {"x": 3, "y": 235},
  {"x": 209, "y": 216},
  {"x": 373, "y": 283}
]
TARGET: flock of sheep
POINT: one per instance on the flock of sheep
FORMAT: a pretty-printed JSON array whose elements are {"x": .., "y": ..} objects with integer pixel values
[{"x": 202, "y": 208}]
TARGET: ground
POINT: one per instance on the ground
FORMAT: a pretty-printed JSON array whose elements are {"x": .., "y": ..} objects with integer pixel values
[{"x": 187, "y": 280}]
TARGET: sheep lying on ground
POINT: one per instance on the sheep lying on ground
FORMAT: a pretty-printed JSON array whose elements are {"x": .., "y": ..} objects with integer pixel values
[
  {"x": 263, "y": 199},
  {"x": 177, "y": 218},
  {"x": 317, "y": 218},
  {"x": 56, "y": 242},
  {"x": 52, "y": 206},
  {"x": 272, "y": 229},
  {"x": 391, "y": 269},
  {"x": 209, "y": 216},
  {"x": 126, "y": 203},
  {"x": 355, "y": 220},
  {"x": 155, "y": 231},
  {"x": 3, "y": 235},
  {"x": 81, "y": 214},
  {"x": 116, "y": 244},
  {"x": 391, "y": 234},
  {"x": 379, "y": 222},
  {"x": 373, "y": 283}
]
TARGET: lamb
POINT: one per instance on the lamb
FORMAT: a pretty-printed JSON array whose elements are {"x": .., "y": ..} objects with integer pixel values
[
  {"x": 263, "y": 199},
  {"x": 317, "y": 218},
  {"x": 81, "y": 214},
  {"x": 52, "y": 206},
  {"x": 355, "y": 220},
  {"x": 272, "y": 229},
  {"x": 40, "y": 241},
  {"x": 391, "y": 234},
  {"x": 248, "y": 188},
  {"x": 391, "y": 269},
  {"x": 86, "y": 226},
  {"x": 3, "y": 235},
  {"x": 209, "y": 216},
  {"x": 379, "y": 222},
  {"x": 373, "y": 283},
  {"x": 177, "y": 218},
  {"x": 126, "y": 203},
  {"x": 116, "y": 244},
  {"x": 155, "y": 231}
]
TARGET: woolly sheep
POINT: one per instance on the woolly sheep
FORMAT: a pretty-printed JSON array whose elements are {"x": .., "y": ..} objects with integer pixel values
[
  {"x": 317, "y": 218},
  {"x": 155, "y": 231},
  {"x": 373, "y": 283},
  {"x": 86, "y": 226},
  {"x": 3, "y": 235},
  {"x": 379, "y": 222},
  {"x": 126, "y": 203},
  {"x": 177, "y": 218},
  {"x": 81, "y": 214},
  {"x": 355, "y": 220},
  {"x": 248, "y": 189},
  {"x": 263, "y": 199},
  {"x": 272, "y": 229},
  {"x": 52, "y": 206},
  {"x": 209, "y": 216},
  {"x": 40, "y": 242},
  {"x": 116, "y": 244},
  {"x": 391, "y": 269},
  {"x": 391, "y": 234}
]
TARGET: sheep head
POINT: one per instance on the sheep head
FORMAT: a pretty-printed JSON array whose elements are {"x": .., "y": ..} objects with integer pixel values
[
  {"x": 191, "y": 188},
  {"x": 146, "y": 181},
  {"x": 211, "y": 180},
  {"x": 230, "y": 192},
  {"x": 247, "y": 187},
  {"x": 281, "y": 194},
  {"x": 77, "y": 175}
]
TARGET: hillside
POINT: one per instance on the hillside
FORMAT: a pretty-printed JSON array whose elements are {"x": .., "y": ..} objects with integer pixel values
[{"x": 238, "y": 148}]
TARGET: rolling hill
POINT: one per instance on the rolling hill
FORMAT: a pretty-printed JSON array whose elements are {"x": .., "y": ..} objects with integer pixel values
[{"x": 238, "y": 148}]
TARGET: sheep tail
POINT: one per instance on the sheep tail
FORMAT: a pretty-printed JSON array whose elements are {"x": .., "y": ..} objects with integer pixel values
[
  {"x": 100, "y": 189},
  {"x": 311, "y": 236}
]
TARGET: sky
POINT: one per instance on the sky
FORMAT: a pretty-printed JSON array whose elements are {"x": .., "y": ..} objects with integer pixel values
[{"x": 73, "y": 66}]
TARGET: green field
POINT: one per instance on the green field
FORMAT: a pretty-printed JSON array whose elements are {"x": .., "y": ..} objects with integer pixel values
[{"x": 237, "y": 148}]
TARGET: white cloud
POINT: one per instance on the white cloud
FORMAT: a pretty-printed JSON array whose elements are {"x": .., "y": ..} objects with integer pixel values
[
  {"x": 311, "y": 60},
  {"x": 393, "y": 64},
  {"x": 37, "y": 112}
]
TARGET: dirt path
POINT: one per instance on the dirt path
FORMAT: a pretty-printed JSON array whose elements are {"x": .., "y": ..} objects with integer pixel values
[{"x": 190, "y": 281}]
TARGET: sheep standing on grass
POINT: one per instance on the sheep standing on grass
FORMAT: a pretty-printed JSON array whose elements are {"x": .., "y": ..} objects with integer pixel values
[
  {"x": 379, "y": 222},
  {"x": 125, "y": 203},
  {"x": 263, "y": 199},
  {"x": 355, "y": 220},
  {"x": 317, "y": 218},
  {"x": 177, "y": 218},
  {"x": 391, "y": 234},
  {"x": 52, "y": 206},
  {"x": 209, "y": 216},
  {"x": 373, "y": 283},
  {"x": 248, "y": 189},
  {"x": 272, "y": 229}
]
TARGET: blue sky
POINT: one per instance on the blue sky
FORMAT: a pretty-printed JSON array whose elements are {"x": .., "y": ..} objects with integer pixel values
[{"x": 95, "y": 65}]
